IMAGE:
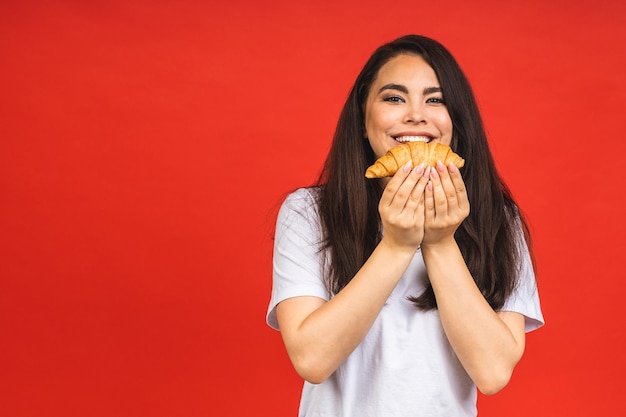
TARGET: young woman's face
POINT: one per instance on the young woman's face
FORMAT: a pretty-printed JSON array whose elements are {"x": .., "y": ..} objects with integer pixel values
[{"x": 405, "y": 103}]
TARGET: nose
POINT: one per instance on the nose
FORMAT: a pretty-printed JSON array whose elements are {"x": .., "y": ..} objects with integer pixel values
[{"x": 415, "y": 114}]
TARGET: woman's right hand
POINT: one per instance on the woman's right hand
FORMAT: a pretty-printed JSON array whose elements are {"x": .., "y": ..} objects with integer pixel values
[{"x": 401, "y": 207}]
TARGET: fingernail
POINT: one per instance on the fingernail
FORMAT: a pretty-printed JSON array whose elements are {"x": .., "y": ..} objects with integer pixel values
[
  {"x": 407, "y": 167},
  {"x": 419, "y": 168},
  {"x": 440, "y": 166},
  {"x": 452, "y": 168}
]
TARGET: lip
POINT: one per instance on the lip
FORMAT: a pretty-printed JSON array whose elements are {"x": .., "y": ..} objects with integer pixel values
[{"x": 428, "y": 135}]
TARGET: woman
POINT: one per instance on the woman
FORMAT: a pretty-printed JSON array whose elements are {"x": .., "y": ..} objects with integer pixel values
[{"x": 393, "y": 298}]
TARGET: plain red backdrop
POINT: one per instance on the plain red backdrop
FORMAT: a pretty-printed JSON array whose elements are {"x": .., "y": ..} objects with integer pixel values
[{"x": 145, "y": 145}]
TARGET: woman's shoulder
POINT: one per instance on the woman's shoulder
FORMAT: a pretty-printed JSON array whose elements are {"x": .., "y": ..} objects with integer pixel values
[
  {"x": 301, "y": 203},
  {"x": 302, "y": 198}
]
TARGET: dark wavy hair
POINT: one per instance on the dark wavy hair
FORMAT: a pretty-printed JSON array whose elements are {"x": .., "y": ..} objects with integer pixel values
[{"x": 348, "y": 202}]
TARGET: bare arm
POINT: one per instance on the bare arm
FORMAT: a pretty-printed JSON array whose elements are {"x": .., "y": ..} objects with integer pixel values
[
  {"x": 320, "y": 335},
  {"x": 488, "y": 344}
]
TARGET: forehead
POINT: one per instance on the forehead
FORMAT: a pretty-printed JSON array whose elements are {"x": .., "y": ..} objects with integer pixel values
[{"x": 406, "y": 69}]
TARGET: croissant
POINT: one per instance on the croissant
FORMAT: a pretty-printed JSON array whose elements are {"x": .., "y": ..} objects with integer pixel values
[{"x": 418, "y": 152}]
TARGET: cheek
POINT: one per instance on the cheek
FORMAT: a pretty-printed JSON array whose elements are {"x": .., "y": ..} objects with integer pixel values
[
  {"x": 371, "y": 119},
  {"x": 445, "y": 125},
  {"x": 379, "y": 123},
  {"x": 372, "y": 129}
]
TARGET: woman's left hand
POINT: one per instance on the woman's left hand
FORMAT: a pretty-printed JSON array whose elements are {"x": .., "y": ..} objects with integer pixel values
[{"x": 446, "y": 204}]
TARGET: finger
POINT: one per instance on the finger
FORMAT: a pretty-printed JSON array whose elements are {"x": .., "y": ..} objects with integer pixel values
[
  {"x": 439, "y": 195},
  {"x": 459, "y": 185},
  {"x": 417, "y": 192},
  {"x": 420, "y": 215},
  {"x": 394, "y": 184},
  {"x": 404, "y": 191},
  {"x": 405, "y": 196},
  {"x": 417, "y": 215},
  {"x": 419, "y": 211},
  {"x": 448, "y": 186},
  {"x": 429, "y": 203}
]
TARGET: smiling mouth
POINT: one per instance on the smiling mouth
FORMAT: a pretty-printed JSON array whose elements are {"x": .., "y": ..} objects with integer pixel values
[{"x": 405, "y": 139}]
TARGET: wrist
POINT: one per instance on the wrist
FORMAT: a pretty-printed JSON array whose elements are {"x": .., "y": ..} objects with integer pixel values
[
  {"x": 440, "y": 247},
  {"x": 390, "y": 247}
]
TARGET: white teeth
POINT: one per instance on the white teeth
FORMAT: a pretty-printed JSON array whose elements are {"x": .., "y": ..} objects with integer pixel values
[{"x": 404, "y": 139}]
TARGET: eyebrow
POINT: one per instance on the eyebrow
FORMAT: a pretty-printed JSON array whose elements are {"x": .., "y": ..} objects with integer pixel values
[{"x": 403, "y": 89}]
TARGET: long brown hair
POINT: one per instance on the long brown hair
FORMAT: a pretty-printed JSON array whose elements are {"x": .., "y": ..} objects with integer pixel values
[{"x": 348, "y": 202}]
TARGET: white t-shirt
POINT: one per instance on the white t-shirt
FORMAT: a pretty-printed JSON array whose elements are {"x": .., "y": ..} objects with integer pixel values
[{"x": 405, "y": 365}]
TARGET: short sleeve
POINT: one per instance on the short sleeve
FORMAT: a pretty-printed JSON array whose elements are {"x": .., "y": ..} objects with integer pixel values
[
  {"x": 525, "y": 298},
  {"x": 297, "y": 265}
]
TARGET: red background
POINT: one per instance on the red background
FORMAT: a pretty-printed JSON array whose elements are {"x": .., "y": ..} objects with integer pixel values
[{"x": 141, "y": 161}]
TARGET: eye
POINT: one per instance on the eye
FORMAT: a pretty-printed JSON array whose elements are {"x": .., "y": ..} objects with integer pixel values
[
  {"x": 436, "y": 100},
  {"x": 393, "y": 99}
]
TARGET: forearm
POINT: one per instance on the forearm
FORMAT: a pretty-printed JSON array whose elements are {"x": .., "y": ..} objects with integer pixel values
[
  {"x": 318, "y": 341},
  {"x": 483, "y": 342}
]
